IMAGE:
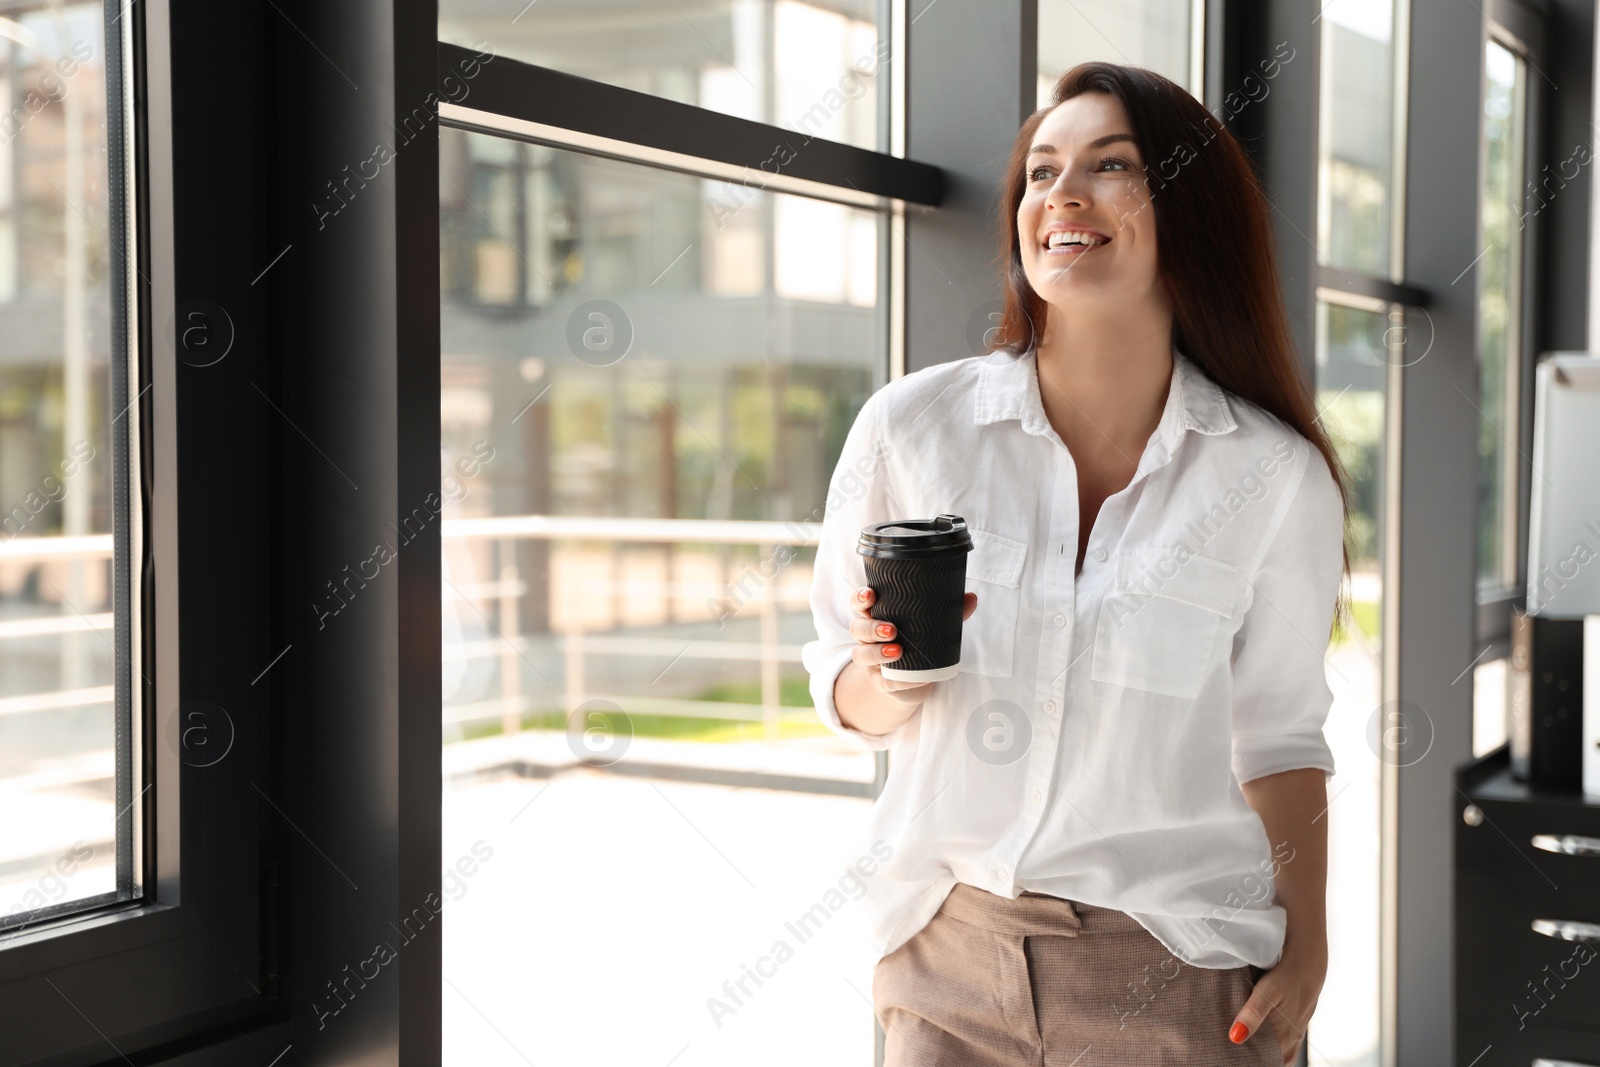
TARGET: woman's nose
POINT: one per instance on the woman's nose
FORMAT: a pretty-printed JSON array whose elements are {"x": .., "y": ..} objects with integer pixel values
[{"x": 1064, "y": 192}]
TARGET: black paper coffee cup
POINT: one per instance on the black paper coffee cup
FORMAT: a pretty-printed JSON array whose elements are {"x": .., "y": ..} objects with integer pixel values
[{"x": 918, "y": 570}]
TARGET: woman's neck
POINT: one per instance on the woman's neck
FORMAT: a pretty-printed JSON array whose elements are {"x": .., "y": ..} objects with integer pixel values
[{"x": 1103, "y": 383}]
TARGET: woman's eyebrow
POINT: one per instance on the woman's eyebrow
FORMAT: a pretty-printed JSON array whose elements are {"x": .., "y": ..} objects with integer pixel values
[{"x": 1098, "y": 142}]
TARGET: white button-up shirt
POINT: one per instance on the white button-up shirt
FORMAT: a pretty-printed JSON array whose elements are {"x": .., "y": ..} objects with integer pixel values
[{"x": 1093, "y": 743}]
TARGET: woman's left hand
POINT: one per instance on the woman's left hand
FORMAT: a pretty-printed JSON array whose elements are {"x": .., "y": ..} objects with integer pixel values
[{"x": 1289, "y": 994}]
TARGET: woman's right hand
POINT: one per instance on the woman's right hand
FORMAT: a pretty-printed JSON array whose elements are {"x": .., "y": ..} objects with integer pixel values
[{"x": 876, "y": 648}]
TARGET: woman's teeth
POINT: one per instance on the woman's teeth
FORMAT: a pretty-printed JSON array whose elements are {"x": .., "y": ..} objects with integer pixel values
[{"x": 1072, "y": 243}]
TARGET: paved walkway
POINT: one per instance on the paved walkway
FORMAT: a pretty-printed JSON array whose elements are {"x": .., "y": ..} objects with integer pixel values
[{"x": 613, "y": 909}]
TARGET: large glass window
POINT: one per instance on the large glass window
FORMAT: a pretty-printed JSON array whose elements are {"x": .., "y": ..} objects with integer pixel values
[
  {"x": 1353, "y": 354},
  {"x": 1499, "y": 276},
  {"x": 1356, "y": 171},
  {"x": 1158, "y": 35},
  {"x": 59, "y": 735},
  {"x": 819, "y": 69},
  {"x": 647, "y": 378},
  {"x": 1360, "y": 343}
]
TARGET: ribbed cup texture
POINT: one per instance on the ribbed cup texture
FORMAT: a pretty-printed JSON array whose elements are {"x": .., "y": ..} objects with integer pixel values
[{"x": 923, "y": 599}]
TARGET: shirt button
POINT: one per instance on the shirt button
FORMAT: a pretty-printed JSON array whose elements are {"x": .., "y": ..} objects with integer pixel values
[
  {"x": 1036, "y": 796},
  {"x": 1061, "y": 620},
  {"x": 1050, "y": 707},
  {"x": 1099, "y": 555},
  {"x": 1002, "y": 874}
]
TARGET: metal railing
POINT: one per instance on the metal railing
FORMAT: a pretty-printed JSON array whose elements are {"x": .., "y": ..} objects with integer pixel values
[
  {"x": 575, "y": 640},
  {"x": 72, "y": 549}
]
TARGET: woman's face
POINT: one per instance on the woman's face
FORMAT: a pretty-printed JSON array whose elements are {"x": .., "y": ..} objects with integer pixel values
[{"x": 1084, "y": 174}]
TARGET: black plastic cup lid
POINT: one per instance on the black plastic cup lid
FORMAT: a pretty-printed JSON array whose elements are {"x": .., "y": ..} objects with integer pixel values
[{"x": 910, "y": 538}]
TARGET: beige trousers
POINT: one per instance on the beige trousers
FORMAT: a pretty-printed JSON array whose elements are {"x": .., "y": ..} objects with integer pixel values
[{"x": 1044, "y": 982}]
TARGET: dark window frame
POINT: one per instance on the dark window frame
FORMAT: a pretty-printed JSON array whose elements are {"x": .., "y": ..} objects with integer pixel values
[{"x": 77, "y": 988}]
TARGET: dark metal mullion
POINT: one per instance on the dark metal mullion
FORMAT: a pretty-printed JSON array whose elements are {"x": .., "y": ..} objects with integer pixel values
[
  {"x": 522, "y": 91},
  {"x": 1370, "y": 286},
  {"x": 1217, "y": 56}
]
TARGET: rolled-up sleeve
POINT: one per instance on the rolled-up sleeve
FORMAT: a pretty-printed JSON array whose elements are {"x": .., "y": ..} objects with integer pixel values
[
  {"x": 1281, "y": 695},
  {"x": 859, "y": 493}
]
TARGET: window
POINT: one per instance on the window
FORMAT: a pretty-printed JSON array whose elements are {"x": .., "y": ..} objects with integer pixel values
[
  {"x": 649, "y": 363},
  {"x": 814, "y": 69},
  {"x": 1354, "y": 355},
  {"x": 122, "y": 792},
  {"x": 1166, "y": 36},
  {"x": 1500, "y": 314},
  {"x": 64, "y": 711},
  {"x": 1356, "y": 170},
  {"x": 1363, "y": 343}
]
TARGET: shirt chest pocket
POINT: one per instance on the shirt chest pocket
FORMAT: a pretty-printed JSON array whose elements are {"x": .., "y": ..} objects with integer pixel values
[
  {"x": 994, "y": 572},
  {"x": 1159, "y": 621}
]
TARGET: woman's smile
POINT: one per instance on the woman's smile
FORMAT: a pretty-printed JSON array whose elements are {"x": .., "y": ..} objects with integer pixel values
[{"x": 1071, "y": 240}]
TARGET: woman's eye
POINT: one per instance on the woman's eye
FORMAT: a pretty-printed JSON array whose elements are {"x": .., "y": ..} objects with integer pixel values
[{"x": 1042, "y": 172}]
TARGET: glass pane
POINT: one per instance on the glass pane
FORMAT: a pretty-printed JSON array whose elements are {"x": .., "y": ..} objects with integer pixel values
[
  {"x": 1356, "y": 180},
  {"x": 58, "y": 767},
  {"x": 817, "y": 69},
  {"x": 1351, "y": 365},
  {"x": 1154, "y": 34},
  {"x": 1490, "y": 681},
  {"x": 1499, "y": 315},
  {"x": 647, "y": 379}
]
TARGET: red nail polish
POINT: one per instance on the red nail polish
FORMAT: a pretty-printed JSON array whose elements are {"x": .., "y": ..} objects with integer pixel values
[
  {"x": 891, "y": 650},
  {"x": 885, "y": 630},
  {"x": 1239, "y": 1032}
]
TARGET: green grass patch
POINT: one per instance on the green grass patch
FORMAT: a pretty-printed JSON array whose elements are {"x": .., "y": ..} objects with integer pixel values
[
  {"x": 1365, "y": 617},
  {"x": 796, "y": 717},
  {"x": 794, "y": 723},
  {"x": 794, "y": 691}
]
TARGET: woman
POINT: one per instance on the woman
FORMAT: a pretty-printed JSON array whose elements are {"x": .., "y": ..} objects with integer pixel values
[{"x": 1104, "y": 835}]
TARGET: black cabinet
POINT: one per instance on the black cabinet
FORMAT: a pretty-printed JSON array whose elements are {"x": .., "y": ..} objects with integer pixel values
[{"x": 1527, "y": 922}]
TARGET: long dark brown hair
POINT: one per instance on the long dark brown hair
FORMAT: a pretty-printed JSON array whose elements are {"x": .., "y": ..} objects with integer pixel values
[{"x": 1222, "y": 281}]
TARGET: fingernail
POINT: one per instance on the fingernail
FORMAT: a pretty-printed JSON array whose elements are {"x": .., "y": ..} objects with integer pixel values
[
  {"x": 1239, "y": 1032},
  {"x": 885, "y": 630},
  {"x": 891, "y": 650}
]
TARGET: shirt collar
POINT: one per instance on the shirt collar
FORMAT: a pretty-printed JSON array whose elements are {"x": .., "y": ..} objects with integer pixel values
[{"x": 1008, "y": 388}]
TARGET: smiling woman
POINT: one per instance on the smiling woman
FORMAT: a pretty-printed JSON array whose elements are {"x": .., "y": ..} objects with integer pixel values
[{"x": 1137, "y": 724}]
